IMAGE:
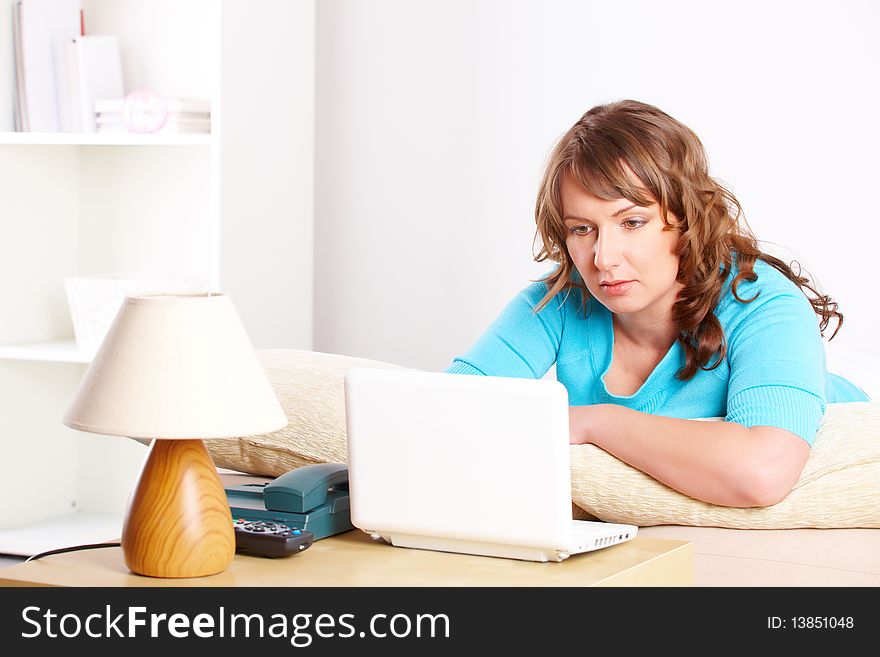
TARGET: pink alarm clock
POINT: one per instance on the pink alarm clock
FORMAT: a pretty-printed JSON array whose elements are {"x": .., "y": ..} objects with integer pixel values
[{"x": 144, "y": 111}]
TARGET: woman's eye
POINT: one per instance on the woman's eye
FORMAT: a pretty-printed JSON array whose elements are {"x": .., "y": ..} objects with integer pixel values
[
  {"x": 634, "y": 223},
  {"x": 580, "y": 230}
]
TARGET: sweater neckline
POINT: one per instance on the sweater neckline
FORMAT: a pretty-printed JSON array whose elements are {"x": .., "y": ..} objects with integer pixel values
[{"x": 657, "y": 380}]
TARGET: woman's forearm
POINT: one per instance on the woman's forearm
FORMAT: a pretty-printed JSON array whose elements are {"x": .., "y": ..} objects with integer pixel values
[{"x": 718, "y": 462}]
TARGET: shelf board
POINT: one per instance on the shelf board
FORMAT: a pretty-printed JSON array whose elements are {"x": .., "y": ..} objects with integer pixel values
[
  {"x": 60, "y": 531},
  {"x": 95, "y": 139},
  {"x": 59, "y": 351}
]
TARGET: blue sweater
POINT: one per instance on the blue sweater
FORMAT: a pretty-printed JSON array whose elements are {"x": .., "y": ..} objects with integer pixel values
[{"x": 774, "y": 373}]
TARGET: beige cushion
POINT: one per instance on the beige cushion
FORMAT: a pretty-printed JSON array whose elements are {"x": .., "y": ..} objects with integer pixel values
[
  {"x": 309, "y": 385},
  {"x": 839, "y": 487}
]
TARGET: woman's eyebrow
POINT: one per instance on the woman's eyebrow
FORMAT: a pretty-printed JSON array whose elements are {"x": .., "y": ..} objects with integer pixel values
[
  {"x": 616, "y": 214},
  {"x": 622, "y": 210}
]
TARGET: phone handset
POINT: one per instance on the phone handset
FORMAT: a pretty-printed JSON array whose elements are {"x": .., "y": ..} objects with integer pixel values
[{"x": 305, "y": 488}]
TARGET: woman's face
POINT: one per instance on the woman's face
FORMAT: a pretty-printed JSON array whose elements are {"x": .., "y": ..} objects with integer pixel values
[{"x": 626, "y": 259}]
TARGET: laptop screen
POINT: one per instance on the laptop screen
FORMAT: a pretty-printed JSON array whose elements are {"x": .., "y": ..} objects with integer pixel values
[{"x": 458, "y": 456}]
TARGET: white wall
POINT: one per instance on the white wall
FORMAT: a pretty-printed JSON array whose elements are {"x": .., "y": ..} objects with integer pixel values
[
  {"x": 268, "y": 146},
  {"x": 434, "y": 119}
]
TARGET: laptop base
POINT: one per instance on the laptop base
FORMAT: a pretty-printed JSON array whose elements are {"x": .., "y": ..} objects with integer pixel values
[{"x": 523, "y": 553}]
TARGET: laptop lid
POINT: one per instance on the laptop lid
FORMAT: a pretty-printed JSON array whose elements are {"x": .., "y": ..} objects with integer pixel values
[{"x": 458, "y": 456}]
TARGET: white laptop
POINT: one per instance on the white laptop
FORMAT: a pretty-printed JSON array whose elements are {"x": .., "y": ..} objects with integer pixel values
[{"x": 471, "y": 464}]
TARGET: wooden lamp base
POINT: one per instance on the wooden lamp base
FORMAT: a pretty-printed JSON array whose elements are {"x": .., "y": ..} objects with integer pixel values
[{"x": 178, "y": 522}]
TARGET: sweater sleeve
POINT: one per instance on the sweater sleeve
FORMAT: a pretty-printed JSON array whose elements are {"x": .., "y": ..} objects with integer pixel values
[
  {"x": 777, "y": 365},
  {"x": 519, "y": 343}
]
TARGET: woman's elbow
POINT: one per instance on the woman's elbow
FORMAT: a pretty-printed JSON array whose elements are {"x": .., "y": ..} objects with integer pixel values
[
  {"x": 766, "y": 490},
  {"x": 776, "y": 469}
]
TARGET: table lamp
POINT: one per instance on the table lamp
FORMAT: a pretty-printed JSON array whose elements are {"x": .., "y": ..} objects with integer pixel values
[{"x": 177, "y": 368}]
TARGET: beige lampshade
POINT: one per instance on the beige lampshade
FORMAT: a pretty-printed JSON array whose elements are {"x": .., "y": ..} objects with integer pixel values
[{"x": 176, "y": 367}]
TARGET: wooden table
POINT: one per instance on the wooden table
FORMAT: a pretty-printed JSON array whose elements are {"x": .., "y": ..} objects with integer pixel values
[{"x": 354, "y": 559}]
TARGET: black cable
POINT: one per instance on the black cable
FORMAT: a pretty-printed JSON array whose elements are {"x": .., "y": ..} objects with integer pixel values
[{"x": 75, "y": 548}]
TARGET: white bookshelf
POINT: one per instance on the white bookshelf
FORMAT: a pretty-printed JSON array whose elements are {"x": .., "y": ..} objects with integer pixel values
[
  {"x": 234, "y": 207},
  {"x": 77, "y": 139},
  {"x": 53, "y": 351},
  {"x": 61, "y": 531}
]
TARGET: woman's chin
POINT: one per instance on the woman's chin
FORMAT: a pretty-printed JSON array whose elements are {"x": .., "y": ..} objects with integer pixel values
[{"x": 618, "y": 305}]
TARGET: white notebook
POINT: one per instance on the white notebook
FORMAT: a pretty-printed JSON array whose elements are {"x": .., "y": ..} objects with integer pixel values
[
  {"x": 42, "y": 22},
  {"x": 88, "y": 69},
  {"x": 470, "y": 464}
]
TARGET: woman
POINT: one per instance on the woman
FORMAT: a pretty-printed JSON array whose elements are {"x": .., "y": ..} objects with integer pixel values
[{"x": 662, "y": 308}]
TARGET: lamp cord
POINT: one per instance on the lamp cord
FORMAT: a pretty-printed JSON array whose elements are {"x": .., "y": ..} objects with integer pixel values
[{"x": 75, "y": 548}]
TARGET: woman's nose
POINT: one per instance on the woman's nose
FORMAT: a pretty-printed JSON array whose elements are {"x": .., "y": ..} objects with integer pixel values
[{"x": 607, "y": 252}]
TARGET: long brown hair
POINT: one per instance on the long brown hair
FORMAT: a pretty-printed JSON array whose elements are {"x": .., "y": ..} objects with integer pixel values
[{"x": 602, "y": 152}]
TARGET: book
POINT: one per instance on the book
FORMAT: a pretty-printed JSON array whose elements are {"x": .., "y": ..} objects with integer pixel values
[
  {"x": 20, "y": 105},
  {"x": 189, "y": 119},
  {"x": 88, "y": 68},
  {"x": 172, "y": 105},
  {"x": 66, "y": 84},
  {"x": 39, "y": 24},
  {"x": 99, "y": 75},
  {"x": 178, "y": 115},
  {"x": 174, "y": 129}
]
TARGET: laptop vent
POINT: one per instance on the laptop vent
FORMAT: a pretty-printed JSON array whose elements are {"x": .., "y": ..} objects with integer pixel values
[{"x": 602, "y": 542}]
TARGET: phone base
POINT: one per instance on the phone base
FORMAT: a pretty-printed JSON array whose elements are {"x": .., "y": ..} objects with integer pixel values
[{"x": 332, "y": 517}]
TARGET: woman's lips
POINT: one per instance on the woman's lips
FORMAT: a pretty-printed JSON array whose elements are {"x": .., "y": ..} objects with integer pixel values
[{"x": 617, "y": 289}]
